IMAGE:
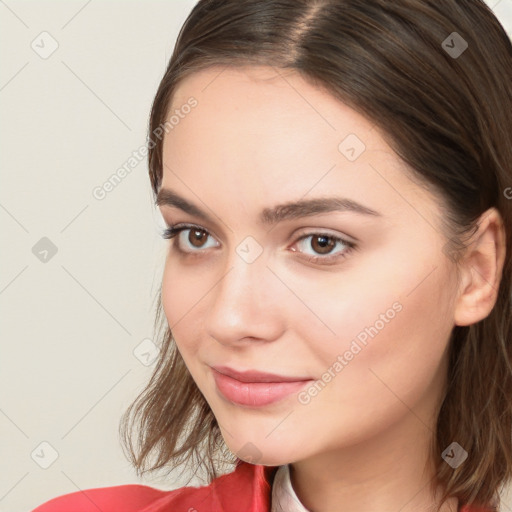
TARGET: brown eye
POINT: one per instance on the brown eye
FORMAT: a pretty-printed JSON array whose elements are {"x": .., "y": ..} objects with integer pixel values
[
  {"x": 189, "y": 239},
  {"x": 197, "y": 237},
  {"x": 324, "y": 248},
  {"x": 322, "y": 244}
]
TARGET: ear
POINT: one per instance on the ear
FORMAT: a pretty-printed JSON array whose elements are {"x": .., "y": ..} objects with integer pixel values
[{"x": 481, "y": 270}]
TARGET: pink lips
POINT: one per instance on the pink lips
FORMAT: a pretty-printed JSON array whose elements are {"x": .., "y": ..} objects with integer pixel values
[{"x": 253, "y": 388}]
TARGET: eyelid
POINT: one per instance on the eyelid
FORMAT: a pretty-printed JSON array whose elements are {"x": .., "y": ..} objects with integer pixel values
[
  {"x": 301, "y": 233},
  {"x": 326, "y": 231},
  {"x": 173, "y": 230},
  {"x": 328, "y": 259},
  {"x": 331, "y": 258}
]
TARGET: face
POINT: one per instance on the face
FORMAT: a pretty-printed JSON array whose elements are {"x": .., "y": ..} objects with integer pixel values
[{"x": 359, "y": 300}]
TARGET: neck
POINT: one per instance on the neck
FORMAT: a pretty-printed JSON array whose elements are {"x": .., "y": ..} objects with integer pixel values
[
  {"x": 367, "y": 478},
  {"x": 390, "y": 471}
]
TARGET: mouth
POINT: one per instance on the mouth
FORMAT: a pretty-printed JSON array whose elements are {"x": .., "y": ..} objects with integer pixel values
[{"x": 256, "y": 393}]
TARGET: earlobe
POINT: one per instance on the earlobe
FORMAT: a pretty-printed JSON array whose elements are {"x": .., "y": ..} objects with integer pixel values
[{"x": 481, "y": 271}]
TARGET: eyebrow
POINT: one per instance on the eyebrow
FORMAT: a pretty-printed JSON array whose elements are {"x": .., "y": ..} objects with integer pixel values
[{"x": 276, "y": 214}]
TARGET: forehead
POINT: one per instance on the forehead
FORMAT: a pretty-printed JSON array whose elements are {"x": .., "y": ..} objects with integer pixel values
[
  {"x": 268, "y": 135},
  {"x": 273, "y": 93},
  {"x": 261, "y": 120}
]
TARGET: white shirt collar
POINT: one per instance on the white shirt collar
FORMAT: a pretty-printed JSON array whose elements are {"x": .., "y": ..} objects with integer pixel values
[{"x": 284, "y": 498}]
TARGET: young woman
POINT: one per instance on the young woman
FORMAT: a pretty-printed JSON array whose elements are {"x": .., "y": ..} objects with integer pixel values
[{"x": 336, "y": 177}]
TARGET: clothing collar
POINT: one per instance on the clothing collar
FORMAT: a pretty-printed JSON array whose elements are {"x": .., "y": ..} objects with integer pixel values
[{"x": 284, "y": 498}]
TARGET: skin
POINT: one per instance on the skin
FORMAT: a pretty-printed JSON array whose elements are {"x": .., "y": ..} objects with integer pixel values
[{"x": 260, "y": 137}]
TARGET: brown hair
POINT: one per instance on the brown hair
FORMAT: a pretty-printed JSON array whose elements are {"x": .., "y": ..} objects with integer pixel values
[{"x": 447, "y": 115}]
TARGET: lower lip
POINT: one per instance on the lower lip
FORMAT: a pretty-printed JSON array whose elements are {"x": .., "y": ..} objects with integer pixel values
[{"x": 255, "y": 394}]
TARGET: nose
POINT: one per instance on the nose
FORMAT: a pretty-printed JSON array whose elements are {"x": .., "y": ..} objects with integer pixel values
[{"x": 245, "y": 304}]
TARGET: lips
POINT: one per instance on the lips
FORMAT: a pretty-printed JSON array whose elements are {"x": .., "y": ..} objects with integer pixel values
[
  {"x": 256, "y": 376},
  {"x": 258, "y": 388}
]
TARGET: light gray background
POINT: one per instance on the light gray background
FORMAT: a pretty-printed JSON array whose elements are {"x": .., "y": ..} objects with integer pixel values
[{"x": 71, "y": 324}]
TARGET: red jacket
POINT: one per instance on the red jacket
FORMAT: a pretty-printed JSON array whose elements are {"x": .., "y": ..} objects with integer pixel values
[{"x": 247, "y": 489}]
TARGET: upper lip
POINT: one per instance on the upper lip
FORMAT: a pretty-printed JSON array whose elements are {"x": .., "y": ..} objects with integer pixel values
[{"x": 256, "y": 376}]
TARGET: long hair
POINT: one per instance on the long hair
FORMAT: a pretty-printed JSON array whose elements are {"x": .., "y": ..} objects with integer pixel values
[{"x": 435, "y": 76}]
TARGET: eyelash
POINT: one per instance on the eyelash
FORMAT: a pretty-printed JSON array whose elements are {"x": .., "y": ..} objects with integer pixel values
[{"x": 176, "y": 229}]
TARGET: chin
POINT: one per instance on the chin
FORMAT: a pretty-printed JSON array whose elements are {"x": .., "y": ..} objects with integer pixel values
[
  {"x": 266, "y": 460},
  {"x": 264, "y": 454}
]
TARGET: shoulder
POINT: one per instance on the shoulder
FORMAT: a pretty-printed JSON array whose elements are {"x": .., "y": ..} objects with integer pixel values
[
  {"x": 476, "y": 508},
  {"x": 132, "y": 498},
  {"x": 247, "y": 488}
]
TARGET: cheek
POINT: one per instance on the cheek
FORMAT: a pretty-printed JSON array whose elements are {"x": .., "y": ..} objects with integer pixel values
[
  {"x": 382, "y": 334},
  {"x": 181, "y": 294},
  {"x": 184, "y": 286},
  {"x": 170, "y": 295}
]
